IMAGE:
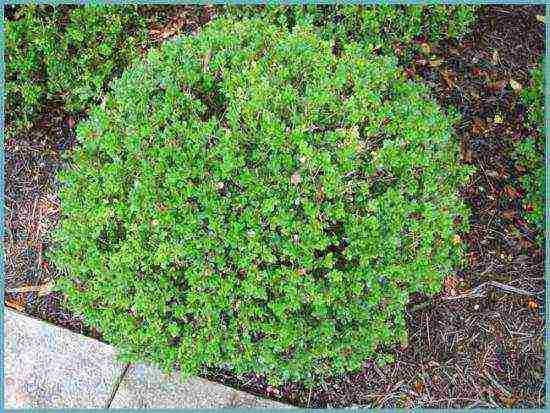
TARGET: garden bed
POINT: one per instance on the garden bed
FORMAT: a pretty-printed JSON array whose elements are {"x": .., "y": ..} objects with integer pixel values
[{"x": 464, "y": 350}]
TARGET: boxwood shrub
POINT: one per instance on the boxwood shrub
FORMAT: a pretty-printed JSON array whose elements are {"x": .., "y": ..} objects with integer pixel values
[
  {"x": 529, "y": 153},
  {"x": 247, "y": 199}
]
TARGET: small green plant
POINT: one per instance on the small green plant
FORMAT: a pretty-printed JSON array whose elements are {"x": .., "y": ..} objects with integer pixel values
[
  {"x": 376, "y": 26},
  {"x": 246, "y": 198},
  {"x": 529, "y": 153},
  {"x": 65, "y": 55}
]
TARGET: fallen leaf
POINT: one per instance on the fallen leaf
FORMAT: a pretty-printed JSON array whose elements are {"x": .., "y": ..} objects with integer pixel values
[
  {"x": 70, "y": 122},
  {"x": 509, "y": 214},
  {"x": 295, "y": 178},
  {"x": 478, "y": 126},
  {"x": 540, "y": 18},
  {"x": 515, "y": 85},
  {"x": 47, "y": 206},
  {"x": 507, "y": 401},
  {"x": 46, "y": 288},
  {"x": 162, "y": 33},
  {"x": 511, "y": 192},
  {"x": 474, "y": 94},
  {"x": 467, "y": 156},
  {"x": 495, "y": 58},
  {"x": 478, "y": 72},
  {"x": 456, "y": 239},
  {"x": 21, "y": 398},
  {"x": 206, "y": 60},
  {"x": 435, "y": 62},
  {"x": 425, "y": 48},
  {"x": 15, "y": 305},
  {"x": 502, "y": 174},
  {"x": 497, "y": 86},
  {"x": 450, "y": 285},
  {"x": 42, "y": 289},
  {"x": 448, "y": 77},
  {"x": 498, "y": 119},
  {"x": 346, "y": 352}
]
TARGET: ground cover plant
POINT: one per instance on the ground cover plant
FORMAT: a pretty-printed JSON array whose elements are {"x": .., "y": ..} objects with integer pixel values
[
  {"x": 475, "y": 343},
  {"x": 246, "y": 198},
  {"x": 529, "y": 153}
]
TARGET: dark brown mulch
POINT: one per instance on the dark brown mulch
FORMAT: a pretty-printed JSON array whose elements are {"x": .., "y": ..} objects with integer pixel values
[
  {"x": 32, "y": 209},
  {"x": 464, "y": 351}
]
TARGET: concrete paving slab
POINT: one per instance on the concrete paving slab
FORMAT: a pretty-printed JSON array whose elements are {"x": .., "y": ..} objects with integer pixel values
[
  {"x": 51, "y": 367},
  {"x": 145, "y": 386}
]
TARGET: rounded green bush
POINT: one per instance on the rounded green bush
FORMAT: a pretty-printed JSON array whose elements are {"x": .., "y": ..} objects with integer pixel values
[{"x": 247, "y": 199}]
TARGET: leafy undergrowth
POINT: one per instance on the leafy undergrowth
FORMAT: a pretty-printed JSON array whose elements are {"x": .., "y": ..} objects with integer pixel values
[
  {"x": 65, "y": 56},
  {"x": 386, "y": 28},
  {"x": 529, "y": 153}
]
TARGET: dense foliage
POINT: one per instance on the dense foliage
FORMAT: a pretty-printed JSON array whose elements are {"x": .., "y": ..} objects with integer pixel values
[
  {"x": 529, "y": 153},
  {"x": 245, "y": 198},
  {"x": 65, "y": 55},
  {"x": 377, "y": 26}
]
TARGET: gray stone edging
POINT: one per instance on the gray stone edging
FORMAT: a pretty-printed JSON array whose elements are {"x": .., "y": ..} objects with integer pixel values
[
  {"x": 145, "y": 386},
  {"x": 47, "y": 366}
]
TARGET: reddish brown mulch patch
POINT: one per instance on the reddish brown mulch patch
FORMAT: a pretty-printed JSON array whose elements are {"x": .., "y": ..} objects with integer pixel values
[{"x": 480, "y": 343}]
